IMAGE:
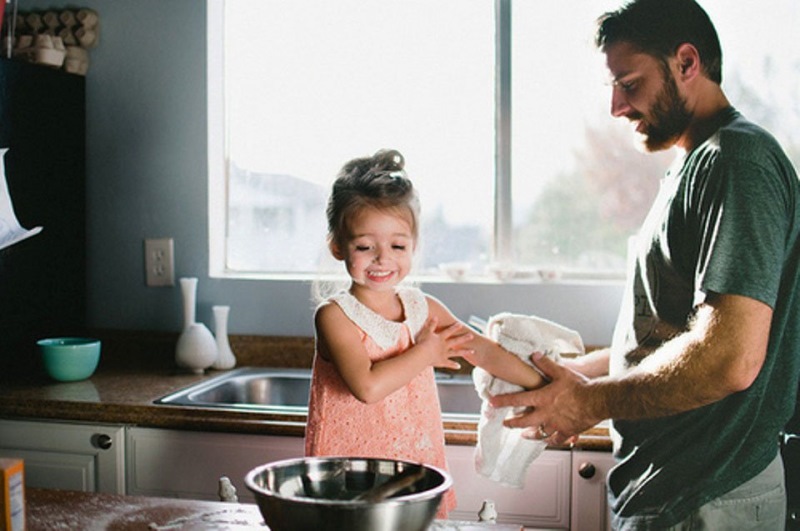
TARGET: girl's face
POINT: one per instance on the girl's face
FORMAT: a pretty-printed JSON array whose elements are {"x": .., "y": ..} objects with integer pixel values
[{"x": 380, "y": 251}]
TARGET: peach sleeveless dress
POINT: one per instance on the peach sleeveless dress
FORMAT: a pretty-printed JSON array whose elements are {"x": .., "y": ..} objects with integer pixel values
[{"x": 406, "y": 425}]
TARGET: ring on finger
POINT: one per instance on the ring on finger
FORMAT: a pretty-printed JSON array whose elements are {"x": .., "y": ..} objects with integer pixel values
[{"x": 542, "y": 433}]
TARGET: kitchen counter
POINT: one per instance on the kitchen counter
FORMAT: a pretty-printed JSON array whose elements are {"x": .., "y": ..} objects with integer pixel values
[
  {"x": 48, "y": 509},
  {"x": 136, "y": 370},
  {"x": 59, "y": 509}
]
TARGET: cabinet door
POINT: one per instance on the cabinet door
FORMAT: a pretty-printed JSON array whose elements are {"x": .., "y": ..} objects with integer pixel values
[
  {"x": 185, "y": 464},
  {"x": 84, "y": 457},
  {"x": 43, "y": 278},
  {"x": 544, "y": 502},
  {"x": 589, "y": 492}
]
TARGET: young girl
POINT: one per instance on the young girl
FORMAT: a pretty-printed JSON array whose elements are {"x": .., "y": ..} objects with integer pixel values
[{"x": 373, "y": 392}]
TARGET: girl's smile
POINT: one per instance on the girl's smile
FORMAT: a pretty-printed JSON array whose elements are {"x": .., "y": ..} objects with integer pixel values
[{"x": 380, "y": 276}]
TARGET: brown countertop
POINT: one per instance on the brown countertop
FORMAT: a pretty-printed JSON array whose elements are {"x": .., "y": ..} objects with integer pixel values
[
  {"x": 134, "y": 372},
  {"x": 48, "y": 509},
  {"x": 61, "y": 509},
  {"x": 126, "y": 396}
]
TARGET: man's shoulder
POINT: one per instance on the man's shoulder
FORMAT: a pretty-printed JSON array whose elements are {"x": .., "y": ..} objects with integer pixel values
[{"x": 742, "y": 138}]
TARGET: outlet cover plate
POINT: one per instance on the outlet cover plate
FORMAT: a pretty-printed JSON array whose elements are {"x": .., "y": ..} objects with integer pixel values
[{"x": 159, "y": 262}]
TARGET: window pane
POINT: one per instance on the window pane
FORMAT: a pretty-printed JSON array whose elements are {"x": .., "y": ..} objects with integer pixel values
[
  {"x": 761, "y": 64},
  {"x": 311, "y": 84},
  {"x": 580, "y": 186}
]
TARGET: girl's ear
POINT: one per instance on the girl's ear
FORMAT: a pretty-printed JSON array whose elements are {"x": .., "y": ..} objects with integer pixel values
[{"x": 335, "y": 250}]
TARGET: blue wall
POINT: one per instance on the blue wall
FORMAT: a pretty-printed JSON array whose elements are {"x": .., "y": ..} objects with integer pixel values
[{"x": 147, "y": 178}]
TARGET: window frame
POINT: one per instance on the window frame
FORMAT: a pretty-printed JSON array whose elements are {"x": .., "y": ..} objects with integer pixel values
[{"x": 503, "y": 231}]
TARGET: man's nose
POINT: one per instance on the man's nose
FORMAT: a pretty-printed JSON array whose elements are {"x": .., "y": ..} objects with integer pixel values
[{"x": 619, "y": 103}]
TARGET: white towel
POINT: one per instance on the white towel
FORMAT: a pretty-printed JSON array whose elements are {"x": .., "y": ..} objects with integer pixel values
[{"x": 502, "y": 454}]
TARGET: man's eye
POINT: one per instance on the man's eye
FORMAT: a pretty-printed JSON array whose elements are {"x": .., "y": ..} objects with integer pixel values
[{"x": 627, "y": 86}]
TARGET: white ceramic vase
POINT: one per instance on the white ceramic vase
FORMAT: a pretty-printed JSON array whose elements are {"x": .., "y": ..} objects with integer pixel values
[
  {"x": 196, "y": 349},
  {"x": 225, "y": 357}
]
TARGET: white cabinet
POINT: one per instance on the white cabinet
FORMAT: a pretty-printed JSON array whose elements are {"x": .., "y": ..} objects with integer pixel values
[
  {"x": 543, "y": 502},
  {"x": 563, "y": 489},
  {"x": 188, "y": 464},
  {"x": 61, "y": 455},
  {"x": 589, "y": 492}
]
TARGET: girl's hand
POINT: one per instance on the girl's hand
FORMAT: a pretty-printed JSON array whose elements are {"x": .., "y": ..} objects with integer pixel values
[{"x": 444, "y": 343}]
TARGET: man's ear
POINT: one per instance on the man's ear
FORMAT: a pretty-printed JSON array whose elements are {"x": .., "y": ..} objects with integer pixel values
[{"x": 688, "y": 61}]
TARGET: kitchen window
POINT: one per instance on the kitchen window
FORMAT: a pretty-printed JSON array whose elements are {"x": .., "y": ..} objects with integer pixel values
[{"x": 501, "y": 109}]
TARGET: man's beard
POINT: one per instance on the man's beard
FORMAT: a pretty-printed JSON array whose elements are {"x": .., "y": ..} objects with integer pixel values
[{"x": 669, "y": 118}]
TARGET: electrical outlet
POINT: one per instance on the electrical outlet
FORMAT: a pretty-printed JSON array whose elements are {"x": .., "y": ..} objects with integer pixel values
[{"x": 159, "y": 264}]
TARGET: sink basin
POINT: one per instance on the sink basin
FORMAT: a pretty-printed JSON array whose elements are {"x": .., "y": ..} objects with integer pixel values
[{"x": 286, "y": 390}]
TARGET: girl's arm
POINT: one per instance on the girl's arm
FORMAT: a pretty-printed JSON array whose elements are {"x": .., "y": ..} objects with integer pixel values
[
  {"x": 339, "y": 341},
  {"x": 489, "y": 355},
  {"x": 592, "y": 365},
  {"x": 500, "y": 363}
]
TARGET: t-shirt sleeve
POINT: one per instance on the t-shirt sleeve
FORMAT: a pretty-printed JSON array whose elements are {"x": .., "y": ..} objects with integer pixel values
[{"x": 745, "y": 231}]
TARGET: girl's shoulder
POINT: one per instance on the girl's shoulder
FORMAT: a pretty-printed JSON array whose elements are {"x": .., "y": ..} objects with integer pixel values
[
  {"x": 326, "y": 312},
  {"x": 324, "y": 307},
  {"x": 438, "y": 309}
]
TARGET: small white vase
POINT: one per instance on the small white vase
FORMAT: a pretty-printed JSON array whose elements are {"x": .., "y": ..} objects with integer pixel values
[
  {"x": 196, "y": 349},
  {"x": 225, "y": 357}
]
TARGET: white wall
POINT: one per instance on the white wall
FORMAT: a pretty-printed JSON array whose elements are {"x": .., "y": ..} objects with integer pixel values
[{"x": 147, "y": 165}]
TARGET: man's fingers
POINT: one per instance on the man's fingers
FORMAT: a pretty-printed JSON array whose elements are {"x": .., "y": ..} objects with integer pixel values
[{"x": 522, "y": 398}]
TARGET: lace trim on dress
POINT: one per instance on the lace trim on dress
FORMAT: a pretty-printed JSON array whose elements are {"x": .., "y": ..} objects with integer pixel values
[{"x": 386, "y": 333}]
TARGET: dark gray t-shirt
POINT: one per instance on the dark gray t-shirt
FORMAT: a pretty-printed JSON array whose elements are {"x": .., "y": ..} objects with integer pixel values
[{"x": 726, "y": 221}]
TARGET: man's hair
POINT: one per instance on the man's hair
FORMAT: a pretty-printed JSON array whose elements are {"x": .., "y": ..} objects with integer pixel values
[{"x": 659, "y": 27}]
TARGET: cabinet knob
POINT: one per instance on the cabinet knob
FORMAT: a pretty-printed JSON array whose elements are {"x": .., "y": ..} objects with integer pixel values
[
  {"x": 102, "y": 441},
  {"x": 586, "y": 470}
]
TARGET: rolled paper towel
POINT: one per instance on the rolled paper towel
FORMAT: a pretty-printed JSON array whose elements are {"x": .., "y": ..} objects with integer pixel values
[
  {"x": 34, "y": 22},
  {"x": 67, "y": 18},
  {"x": 58, "y": 43},
  {"x": 87, "y": 17},
  {"x": 78, "y": 53},
  {"x": 77, "y": 60},
  {"x": 50, "y": 19},
  {"x": 44, "y": 40},
  {"x": 76, "y": 66},
  {"x": 86, "y": 38},
  {"x": 24, "y": 42},
  {"x": 21, "y": 25},
  {"x": 68, "y": 37}
]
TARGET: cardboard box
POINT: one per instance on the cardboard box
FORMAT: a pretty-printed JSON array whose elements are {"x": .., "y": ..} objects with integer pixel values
[{"x": 12, "y": 495}]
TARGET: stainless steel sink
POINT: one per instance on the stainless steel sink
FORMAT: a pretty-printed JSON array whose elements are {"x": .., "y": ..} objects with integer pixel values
[{"x": 286, "y": 390}]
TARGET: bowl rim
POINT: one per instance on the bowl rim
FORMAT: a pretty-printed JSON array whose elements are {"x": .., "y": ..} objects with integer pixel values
[
  {"x": 68, "y": 342},
  {"x": 439, "y": 490}
]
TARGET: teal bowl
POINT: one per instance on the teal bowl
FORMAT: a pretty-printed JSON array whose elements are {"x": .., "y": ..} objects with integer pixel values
[{"x": 69, "y": 359}]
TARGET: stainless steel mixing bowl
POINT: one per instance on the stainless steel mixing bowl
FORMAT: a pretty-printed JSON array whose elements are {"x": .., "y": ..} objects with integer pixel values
[{"x": 317, "y": 493}]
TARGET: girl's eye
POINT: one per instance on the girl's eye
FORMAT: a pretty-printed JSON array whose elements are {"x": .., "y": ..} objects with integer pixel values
[
  {"x": 399, "y": 247},
  {"x": 362, "y": 248}
]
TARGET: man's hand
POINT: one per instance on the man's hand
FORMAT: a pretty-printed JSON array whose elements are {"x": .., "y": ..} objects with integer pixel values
[{"x": 557, "y": 412}]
